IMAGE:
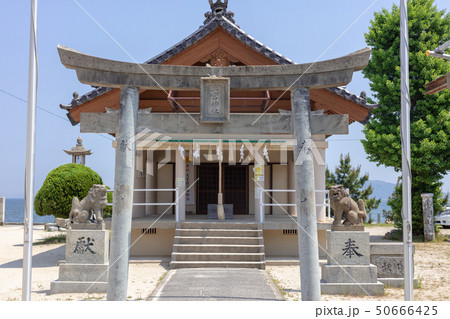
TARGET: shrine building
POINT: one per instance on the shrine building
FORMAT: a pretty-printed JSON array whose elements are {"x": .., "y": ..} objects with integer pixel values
[{"x": 214, "y": 114}]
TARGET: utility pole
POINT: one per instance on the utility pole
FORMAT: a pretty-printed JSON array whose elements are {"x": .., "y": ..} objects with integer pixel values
[
  {"x": 29, "y": 170},
  {"x": 406, "y": 151}
]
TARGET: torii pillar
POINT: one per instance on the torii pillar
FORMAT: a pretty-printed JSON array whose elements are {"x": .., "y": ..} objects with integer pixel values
[
  {"x": 123, "y": 194},
  {"x": 97, "y": 72},
  {"x": 305, "y": 195}
]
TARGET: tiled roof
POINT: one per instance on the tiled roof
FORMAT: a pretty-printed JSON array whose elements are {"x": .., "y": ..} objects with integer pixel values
[
  {"x": 231, "y": 28},
  {"x": 361, "y": 99},
  {"x": 85, "y": 98},
  {"x": 210, "y": 25}
]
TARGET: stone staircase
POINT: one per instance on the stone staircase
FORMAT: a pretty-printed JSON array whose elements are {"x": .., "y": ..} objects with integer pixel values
[{"x": 218, "y": 244}]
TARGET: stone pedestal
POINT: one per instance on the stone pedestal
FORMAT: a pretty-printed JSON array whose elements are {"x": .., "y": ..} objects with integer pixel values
[
  {"x": 348, "y": 270},
  {"x": 341, "y": 227},
  {"x": 388, "y": 257},
  {"x": 2, "y": 211},
  {"x": 86, "y": 266}
]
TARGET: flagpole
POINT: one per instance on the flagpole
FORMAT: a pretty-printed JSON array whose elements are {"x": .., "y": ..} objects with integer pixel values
[
  {"x": 29, "y": 171},
  {"x": 406, "y": 151}
]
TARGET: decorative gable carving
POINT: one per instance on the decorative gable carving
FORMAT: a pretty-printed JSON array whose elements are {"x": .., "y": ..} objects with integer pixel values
[{"x": 219, "y": 58}]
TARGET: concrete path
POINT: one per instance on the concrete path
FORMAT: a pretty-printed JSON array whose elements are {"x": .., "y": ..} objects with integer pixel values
[{"x": 197, "y": 284}]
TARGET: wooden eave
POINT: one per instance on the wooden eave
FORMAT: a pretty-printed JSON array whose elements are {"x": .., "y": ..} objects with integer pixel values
[
  {"x": 438, "y": 85},
  {"x": 322, "y": 99}
]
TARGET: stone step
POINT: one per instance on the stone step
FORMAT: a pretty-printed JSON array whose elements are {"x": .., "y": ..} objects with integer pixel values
[
  {"x": 218, "y": 225},
  {"x": 64, "y": 287},
  {"x": 352, "y": 273},
  {"x": 206, "y": 240},
  {"x": 199, "y": 257},
  {"x": 217, "y": 264},
  {"x": 354, "y": 289},
  {"x": 218, "y": 244},
  {"x": 218, "y": 248},
  {"x": 83, "y": 272},
  {"x": 219, "y": 232}
]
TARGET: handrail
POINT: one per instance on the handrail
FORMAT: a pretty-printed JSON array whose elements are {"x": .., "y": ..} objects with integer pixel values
[
  {"x": 176, "y": 203},
  {"x": 147, "y": 190},
  {"x": 262, "y": 204},
  {"x": 327, "y": 200}
]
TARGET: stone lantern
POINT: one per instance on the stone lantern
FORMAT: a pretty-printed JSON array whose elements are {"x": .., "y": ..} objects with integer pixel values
[{"x": 79, "y": 153}]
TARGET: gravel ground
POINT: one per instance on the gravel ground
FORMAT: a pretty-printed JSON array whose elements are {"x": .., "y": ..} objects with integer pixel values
[
  {"x": 143, "y": 277},
  {"x": 432, "y": 261}
]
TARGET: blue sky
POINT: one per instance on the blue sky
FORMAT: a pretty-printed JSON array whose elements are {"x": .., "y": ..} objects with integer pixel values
[{"x": 300, "y": 30}]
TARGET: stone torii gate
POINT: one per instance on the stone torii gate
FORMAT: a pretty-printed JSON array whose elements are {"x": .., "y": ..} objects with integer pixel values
[{"x": 127, "y": 121}]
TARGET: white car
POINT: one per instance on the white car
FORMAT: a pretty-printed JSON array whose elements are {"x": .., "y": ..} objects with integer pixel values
[{"x": 443, "y": 218}]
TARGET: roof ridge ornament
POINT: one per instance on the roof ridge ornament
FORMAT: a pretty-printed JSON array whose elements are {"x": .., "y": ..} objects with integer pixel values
[
  {"x": 75, "y": 100},
  {"x": 219, "y": 8}
]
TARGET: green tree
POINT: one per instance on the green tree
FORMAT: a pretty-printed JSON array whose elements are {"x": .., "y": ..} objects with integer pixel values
[
  {"x": 349, "y": 177},
  {"x": 63, "y": 184},
  {"x": 430, "y": 116}
]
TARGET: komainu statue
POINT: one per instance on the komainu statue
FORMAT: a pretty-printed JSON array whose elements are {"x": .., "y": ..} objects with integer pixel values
[
  {"x": 90, "y": 209},
  {"x": 343, "y": 206}
]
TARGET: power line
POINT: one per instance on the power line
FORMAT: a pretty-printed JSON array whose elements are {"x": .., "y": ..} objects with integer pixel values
[
  {"x": 47, "y": 111},
  {"x": 346, "y": 140}
]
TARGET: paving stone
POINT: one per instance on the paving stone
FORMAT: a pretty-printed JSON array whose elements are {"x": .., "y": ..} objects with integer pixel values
[{"x": 216, "y": 284}]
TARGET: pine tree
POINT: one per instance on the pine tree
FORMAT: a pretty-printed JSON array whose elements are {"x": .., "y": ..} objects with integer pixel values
[{"x": 349, "y": 177}]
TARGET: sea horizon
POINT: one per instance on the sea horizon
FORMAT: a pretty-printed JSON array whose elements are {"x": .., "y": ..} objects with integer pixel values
[
  {"x": 15, "y": 211},
  {"x": 15, "y": 207}
]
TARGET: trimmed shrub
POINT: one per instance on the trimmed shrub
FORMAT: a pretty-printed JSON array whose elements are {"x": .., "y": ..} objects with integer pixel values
[{"x": 61, "y": 185}]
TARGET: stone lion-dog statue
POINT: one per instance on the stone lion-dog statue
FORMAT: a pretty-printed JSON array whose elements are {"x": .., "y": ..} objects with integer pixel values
[
  {"x": 343, "y": 206},
  {"x": 84, "y": 211}
]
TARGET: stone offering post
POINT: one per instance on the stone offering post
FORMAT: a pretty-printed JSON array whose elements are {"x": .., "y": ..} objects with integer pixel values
[
  {"x": 2, "y": 211},
  {"x": 428, "y": 217}
]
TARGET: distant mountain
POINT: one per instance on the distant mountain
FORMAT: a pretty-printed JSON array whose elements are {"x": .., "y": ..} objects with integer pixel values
[{"x": 382, "y": 189}]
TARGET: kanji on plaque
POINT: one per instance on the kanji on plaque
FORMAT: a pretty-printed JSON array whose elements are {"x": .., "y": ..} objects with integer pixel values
[{"x": 215, "y": 99}]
